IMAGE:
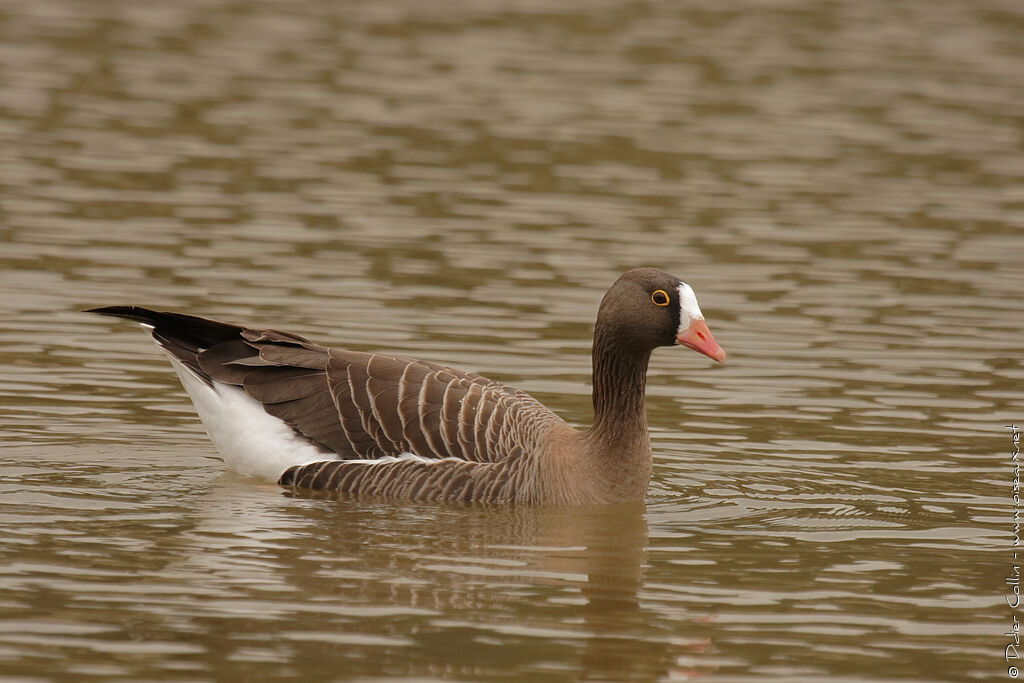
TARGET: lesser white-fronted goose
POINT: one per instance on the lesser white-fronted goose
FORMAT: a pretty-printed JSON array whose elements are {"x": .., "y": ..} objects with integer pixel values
[{"x": 307, "y": 416}]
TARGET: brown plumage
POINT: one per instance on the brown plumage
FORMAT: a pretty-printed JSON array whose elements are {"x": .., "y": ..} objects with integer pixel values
[{"x": 374, "y": 424}]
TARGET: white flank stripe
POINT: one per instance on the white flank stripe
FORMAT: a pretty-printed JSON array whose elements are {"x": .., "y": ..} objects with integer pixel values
[
  {"x": 250, "y": 440},
  {"x": 384, "y": 460}
]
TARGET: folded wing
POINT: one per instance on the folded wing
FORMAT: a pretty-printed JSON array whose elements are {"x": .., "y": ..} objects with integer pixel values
[{"x": 369, "y": 406}]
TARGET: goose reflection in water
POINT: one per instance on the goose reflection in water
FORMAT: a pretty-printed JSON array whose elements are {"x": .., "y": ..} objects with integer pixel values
[{"x": 399, "y": 576}]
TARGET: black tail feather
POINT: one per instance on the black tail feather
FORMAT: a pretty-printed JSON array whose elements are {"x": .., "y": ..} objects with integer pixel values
[
  {"x": 183, "y": 336},
  {"x": 183, "y": 330}
]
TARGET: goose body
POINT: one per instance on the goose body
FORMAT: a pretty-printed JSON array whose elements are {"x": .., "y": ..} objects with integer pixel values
[{"x": 285, "y": 409}]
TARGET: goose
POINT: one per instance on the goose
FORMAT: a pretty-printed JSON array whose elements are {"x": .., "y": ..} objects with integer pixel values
[{"x": 313, "y": 418}]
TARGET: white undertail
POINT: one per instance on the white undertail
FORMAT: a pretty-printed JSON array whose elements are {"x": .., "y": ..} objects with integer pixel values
[{"x": 250, "y": 440}]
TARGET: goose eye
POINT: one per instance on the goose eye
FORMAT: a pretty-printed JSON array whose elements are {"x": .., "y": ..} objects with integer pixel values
[{"x": 659, "y": 297}]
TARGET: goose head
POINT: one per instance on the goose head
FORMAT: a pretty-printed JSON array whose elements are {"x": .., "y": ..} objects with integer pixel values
[{"x": 647, "y": 308}]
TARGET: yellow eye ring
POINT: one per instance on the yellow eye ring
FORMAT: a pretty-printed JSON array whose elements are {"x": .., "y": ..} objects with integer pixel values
[{"x": 659, "y": 297}]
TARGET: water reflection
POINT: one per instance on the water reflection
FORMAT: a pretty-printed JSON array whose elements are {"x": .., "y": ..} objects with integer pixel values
[{"x": 358, "y": 574}]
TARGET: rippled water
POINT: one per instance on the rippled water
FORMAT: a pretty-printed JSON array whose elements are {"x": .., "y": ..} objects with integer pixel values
[{"x": 842, "y": 184}]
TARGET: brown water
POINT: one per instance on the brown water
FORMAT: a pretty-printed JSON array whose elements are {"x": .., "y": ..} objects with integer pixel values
[{"x": 842, "y": 184}]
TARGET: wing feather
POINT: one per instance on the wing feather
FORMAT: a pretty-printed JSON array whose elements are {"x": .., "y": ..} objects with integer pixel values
[
  {"x": 397, "y": 425},
  {"x": 384, "y": 375},
  {"x": 365, "y": 406}
]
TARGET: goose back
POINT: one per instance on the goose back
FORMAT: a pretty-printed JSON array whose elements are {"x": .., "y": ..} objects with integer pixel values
[{"x": 369, "y": 406}]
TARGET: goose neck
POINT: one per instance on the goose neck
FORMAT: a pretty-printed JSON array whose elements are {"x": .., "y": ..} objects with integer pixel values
[{"x": 619, "y": 387}]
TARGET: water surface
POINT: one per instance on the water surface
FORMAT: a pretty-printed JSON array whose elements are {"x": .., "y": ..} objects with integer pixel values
[{"x": 843, "y": 186}]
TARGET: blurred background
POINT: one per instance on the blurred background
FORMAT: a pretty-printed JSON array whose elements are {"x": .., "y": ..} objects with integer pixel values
[{"x": 842, "y": 183}]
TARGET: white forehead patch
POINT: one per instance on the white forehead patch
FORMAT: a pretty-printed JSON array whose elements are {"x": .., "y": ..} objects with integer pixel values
[{"x": 688, "y": 308}]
